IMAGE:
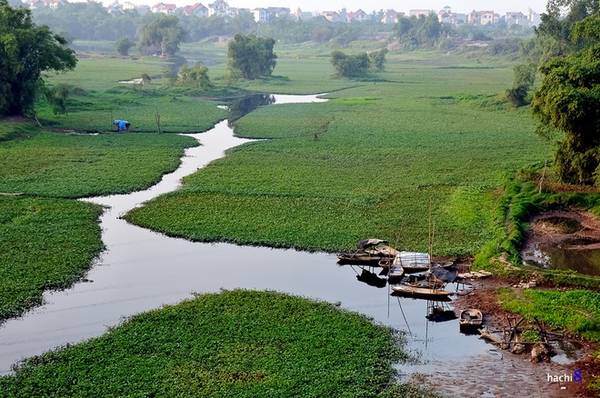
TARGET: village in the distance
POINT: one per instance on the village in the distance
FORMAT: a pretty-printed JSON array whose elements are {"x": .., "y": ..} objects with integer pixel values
[{"x": 221, "y": 8}]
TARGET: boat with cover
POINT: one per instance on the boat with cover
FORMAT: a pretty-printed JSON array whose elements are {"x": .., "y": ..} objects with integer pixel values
[{"x": 369, "y": 252}]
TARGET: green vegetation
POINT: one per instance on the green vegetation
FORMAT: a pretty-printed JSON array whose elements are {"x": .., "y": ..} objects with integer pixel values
[
  {"x": 251, "y": 57},
  {"x": 424, "y": 31},
  {"x": 568, "y": 101},
  {"x": 521, "y": 197},
  {"x": 523, "y": 82},
  {"x": 161, "y": 35},
  {"x": 45, "y": 243},
  {"x": 576, "y": 311},
  {"x": 26, "y": 51},
  {"x": 235, "y": 344},
  {"x": 96, "y": 99},
  {"x": 123, "y": 46},
  {"x": 59, "y": 165},
  {"x": 366, "y": 163}
]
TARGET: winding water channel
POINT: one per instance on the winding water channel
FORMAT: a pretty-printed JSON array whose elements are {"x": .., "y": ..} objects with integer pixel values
[{"x": 141, "y": 270}]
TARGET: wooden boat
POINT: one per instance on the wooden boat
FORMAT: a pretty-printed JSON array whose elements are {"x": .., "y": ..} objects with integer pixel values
[
  {"x": 470, "y": 320},
  {"x": 369, "y": 252},
  {"x": 421, "y": 292}
]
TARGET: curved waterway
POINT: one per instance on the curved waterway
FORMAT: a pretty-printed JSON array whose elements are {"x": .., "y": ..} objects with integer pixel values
[{"x": 142, "y": 270}]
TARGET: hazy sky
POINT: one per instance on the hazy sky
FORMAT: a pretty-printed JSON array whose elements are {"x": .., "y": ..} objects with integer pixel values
[{"x": 368, "y": 5}]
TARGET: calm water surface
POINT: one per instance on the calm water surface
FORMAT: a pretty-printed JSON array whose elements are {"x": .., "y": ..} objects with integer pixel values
[{"x": 142, "y": 270}]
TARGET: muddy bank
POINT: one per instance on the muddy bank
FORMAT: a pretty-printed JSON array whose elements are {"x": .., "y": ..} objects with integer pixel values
[
  {"x": 566, "y": 239},
  {"x": 521, "y": 376}
]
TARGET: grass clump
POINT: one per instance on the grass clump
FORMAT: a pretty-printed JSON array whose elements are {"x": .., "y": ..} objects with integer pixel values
[
  {"x": 45, "y": 243},
  {"x": 576, "y": 311},
  {"x": 235, "y": 344}
]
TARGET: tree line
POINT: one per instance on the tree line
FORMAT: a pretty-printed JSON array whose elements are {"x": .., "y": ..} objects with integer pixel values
[{"x": 565, "y": 53}]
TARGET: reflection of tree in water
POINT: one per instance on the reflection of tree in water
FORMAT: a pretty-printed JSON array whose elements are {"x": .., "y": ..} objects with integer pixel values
[{"x": 242, "y": 106}]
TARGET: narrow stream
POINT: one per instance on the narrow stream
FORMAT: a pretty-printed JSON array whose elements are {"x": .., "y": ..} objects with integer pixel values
[{"x": 141, "y": 270}]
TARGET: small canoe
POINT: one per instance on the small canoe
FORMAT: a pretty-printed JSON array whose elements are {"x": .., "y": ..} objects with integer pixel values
[
  {"x": 470, "y": 320},
  {"x": 427, "y": 293}
]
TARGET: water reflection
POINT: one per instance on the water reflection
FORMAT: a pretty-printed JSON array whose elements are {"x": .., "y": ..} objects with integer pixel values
[{"x": 242, "y": 106}]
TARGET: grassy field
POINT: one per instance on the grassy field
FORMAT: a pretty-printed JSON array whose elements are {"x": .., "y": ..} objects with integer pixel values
[
  {"x": 45, "y": 243},
  {"x": 232, "y": 344},
  {"x": 99, "y": 99},
  {"x": 368, "y": 163},
  {"x": 61, "y": 165}
]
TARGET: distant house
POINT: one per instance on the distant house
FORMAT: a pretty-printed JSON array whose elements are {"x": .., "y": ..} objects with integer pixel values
[
  {"x": 483, "y": 17},
  {"x": 219, "y": 8},
  {"x": 420, "y": 13},
  {"x": 357, "y": 16},
  {"x": 128, "y": 6},
  {"x": 445, "y": 15},
  {"x": 267, "y": 14},
  {"x": 300, "y": 15},
  {"x": 260, "y": 15},
  {"x": 164, "y": 8},
  {"x": 516, "y": 18},
  {"x": 332, "y": 16},
  {"x": 534, "y": 18},
  {"x": 115, "y": 8},
  {"x": 390, "y": 16},
  {"x": 143, "y": 9},
  {"x": 198, "y": 10},
  {"x": 33, "y": 4}
]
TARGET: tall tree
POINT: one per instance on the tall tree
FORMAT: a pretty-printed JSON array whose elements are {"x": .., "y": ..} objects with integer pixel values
[
  {"x": 568, "y": 100},
  {"x": 162, "y": 34},
  {"x": 251, "y": 57},
  {"x": 26, "y": 51}
]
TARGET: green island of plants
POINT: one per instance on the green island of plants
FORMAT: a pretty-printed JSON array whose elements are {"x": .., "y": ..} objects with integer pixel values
[{"x": 235, "y": 344}]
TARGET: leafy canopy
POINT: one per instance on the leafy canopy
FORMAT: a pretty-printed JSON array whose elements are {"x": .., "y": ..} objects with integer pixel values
[
  {"x": 359, "y": 65},
  {"x": 26, "y": 51},
  {"x": 569, "y": 100},
  {"x": 251, "y": 57},
  {"x": 161, "y": 35}
]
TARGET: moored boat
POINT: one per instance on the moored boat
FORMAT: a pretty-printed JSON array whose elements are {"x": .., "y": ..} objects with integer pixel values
[
  {"x": 422, "y": 292},
  {"x": 470, "y": 320},
  {"x": 369, "y": 252}
]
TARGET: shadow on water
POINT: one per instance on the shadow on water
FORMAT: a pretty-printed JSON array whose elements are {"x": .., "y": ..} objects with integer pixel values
[{"x": 242, "y": 106}]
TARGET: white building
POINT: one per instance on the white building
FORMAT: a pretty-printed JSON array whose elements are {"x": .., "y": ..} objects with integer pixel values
[
  {"x": 164, "y": 8},
  {"x": 420, "y": 13},
  {"x": 516, "y": 18},
  {"x": 197, "y": 9}
]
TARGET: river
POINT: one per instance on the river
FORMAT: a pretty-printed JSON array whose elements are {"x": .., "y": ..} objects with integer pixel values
[{"x": 141, "y": 270}]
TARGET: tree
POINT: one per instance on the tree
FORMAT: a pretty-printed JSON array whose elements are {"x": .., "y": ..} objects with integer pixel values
[
  {"x": 524, "y": 78},
  {"x": 568, "y": 100},
  {"x": 350, "y": 65},
  {"x": 26, "y": 51},
  {"x": 377, "y": 59},
  {"x": 57, "y": 98},
  {"x": 162, "y": 34},
  {"x": 123, "y": 45},
  {"x": 251, "y": 57},
  {"x": 196, "y": 76}
]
